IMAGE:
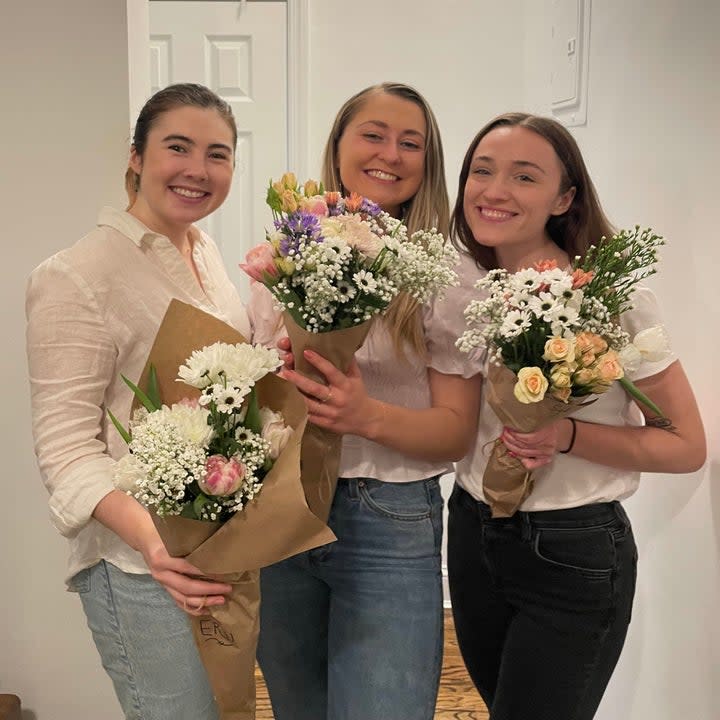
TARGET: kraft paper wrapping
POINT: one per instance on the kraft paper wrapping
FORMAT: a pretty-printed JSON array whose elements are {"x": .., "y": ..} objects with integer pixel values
[
  {"x": 506, "y": 482},
  {"x": 320, "y": 455},
  {"x": 274, "y": 526}
]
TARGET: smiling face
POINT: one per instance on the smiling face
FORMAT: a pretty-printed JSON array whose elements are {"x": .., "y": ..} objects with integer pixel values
[
  {"x": 512, "y": 189},
  {"x": 185, "y": 170},
  {"x": 381, "y": 153}
]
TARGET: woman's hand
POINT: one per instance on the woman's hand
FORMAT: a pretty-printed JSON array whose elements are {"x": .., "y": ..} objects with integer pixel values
[
  {"x": 131, "y": 521},
  {"x": 285, "y": 352},
  {"x": 342, "y": 405},
  {"x": 183, "y": 580},
  {"x": 538, "y": 448}
]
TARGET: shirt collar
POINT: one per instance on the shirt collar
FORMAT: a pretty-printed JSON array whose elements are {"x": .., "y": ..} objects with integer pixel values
[{"x": 132, "y": 228}]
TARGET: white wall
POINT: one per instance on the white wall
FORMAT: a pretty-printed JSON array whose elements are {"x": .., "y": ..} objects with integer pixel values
[
  {"x": 648, "y": 142},
  {"x": 651, "y": 142},
  {"x": 64, "y": 136}
]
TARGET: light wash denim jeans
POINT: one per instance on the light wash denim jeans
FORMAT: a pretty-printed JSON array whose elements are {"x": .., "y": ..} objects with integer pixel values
[
  {"x": 145, "y": 644},
  {"x": 353, "y": 630}
]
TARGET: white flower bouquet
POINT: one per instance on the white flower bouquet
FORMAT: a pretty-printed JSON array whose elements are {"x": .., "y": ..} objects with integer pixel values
[
  {"x": 333, "y": 263},
  {"x": 204, "y": 458},
  {"x": 554, "y": 340},
  {"x": 215, "y": 457}
]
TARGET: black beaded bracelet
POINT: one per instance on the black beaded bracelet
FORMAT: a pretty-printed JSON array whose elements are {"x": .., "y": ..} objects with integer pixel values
[{"x": 572, "y": 437}]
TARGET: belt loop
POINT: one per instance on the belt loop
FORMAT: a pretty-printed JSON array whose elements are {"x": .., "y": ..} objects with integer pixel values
[{"x": 526, "y": 526}]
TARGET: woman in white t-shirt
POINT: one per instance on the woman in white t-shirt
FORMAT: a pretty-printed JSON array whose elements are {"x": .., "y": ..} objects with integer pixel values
[
  {"x": 93, "y": 311},
  {"x": 542, "y": 600},
  {"x": 353, "y": 630}
]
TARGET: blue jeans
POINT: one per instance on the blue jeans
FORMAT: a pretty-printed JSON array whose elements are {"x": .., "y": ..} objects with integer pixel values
[
  {"x": 145, "y": 644},
  {"x": 542, "y": 604},
  {"x": 353, "y": 630}
]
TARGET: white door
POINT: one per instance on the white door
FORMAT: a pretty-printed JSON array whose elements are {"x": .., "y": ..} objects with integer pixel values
[{"x": 239, "y": 50}]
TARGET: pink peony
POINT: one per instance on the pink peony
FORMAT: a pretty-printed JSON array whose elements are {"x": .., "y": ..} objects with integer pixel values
[
  {"x": 260, "y": 261},
  {"x": 223, "y": 476}
]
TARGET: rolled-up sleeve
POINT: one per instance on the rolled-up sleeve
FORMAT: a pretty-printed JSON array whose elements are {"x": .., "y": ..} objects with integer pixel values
[{"x": 71, "y": 362}]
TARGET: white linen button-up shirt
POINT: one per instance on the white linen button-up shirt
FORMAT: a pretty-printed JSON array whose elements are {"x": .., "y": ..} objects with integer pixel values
[{"x": 93, "y": 311}]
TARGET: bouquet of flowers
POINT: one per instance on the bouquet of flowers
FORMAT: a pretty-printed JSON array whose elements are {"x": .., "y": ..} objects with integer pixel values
[
  {"x": 204, "y": 458},
  {"x": 332, "y": 263},
  {"x": 554, "y": 340},
  {"x": 214, "y": 445}
]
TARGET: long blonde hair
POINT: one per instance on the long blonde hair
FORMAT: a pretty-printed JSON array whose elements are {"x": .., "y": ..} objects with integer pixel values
[{"x": 428, "y": 208}]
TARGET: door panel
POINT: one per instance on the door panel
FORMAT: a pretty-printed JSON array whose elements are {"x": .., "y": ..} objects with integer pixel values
[{"x": 239, "y": 50}]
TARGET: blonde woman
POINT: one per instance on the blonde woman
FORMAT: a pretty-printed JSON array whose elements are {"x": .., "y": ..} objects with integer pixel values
[{"x": 353, "y": 630}]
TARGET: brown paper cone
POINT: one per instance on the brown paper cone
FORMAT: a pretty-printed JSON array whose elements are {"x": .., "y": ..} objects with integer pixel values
[
  {"x": 320, "y": 455},
  {"x": 506, "y": 482},
  {"x": 272, "y": 527}
]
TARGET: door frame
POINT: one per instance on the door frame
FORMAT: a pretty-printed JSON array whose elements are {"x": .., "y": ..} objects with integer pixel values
[{"x": 297, "y": 51}]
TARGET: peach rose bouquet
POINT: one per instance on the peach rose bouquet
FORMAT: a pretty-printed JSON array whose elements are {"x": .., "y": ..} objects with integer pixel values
[{"x": 554, "y": 340}]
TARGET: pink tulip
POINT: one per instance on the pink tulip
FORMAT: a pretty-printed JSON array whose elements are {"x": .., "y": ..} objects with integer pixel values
[
  {"x": 260, "y": 261},
  {"x": 223, "y": 476}
]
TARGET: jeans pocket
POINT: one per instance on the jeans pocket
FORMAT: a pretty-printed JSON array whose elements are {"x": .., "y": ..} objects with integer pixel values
[
  {"x": 80, "y": 582},
  {"x": 397, "y": 501},
  {"x": 590, "y": 551}
]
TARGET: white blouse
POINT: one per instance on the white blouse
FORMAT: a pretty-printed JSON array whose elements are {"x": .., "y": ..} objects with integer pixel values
[
  {"x": 93, "y": 311},
  {"x": 392, "y": 379},
  {"x": 570, "y": 481}
]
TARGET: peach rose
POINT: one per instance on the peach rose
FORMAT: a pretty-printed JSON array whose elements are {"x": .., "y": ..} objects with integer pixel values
[
  {"x": 562, "y": 394},
  {"x": 559, "y": 349},
  {"x": 332, "y": 198},
  {"x": 544, "y": 265},
  {"x": 609, "y": 367},
  {"x": 561, "y": 375},
  {"x": 531, "y": 385}
]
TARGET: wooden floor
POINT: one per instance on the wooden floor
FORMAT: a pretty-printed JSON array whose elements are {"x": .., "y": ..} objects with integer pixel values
[{"x": 458, "y": 699}]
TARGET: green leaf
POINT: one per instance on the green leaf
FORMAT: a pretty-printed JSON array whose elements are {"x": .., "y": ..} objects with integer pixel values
[
  {"x": 252, "y": 417},
  {"x": 153, "y": 391},
  {"x": 118, "y": 426},
  {"x": 140, "y": 395},
  {"x": 188, "y": 511},
  {"x": 273, "y": 198},
  {"x": 640, "y": 396},
  {"x": 199, "y": 503}
]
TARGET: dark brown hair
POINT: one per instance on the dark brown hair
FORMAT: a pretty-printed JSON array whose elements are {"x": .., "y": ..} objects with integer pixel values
[
  {"x": 169, "y": 98},
  {"x": 584, "y": 223}
]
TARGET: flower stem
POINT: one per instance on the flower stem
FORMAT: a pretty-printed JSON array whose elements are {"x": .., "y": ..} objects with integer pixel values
[{"x": 640, "y": 396}]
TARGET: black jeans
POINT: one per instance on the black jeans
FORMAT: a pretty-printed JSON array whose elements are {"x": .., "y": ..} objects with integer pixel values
[{"x": 541, "y": 603}]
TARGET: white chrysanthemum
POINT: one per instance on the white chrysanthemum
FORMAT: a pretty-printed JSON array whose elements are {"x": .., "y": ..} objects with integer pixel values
[
  {"x": 191, "y": 422},
  {"x": 527, "y": 279},
  {"x": 127, "y": 473},
  {"x": 231, "y": 364}
]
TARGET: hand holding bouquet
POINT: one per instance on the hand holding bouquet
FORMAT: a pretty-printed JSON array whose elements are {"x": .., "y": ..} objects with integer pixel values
[
  {"x": 332, "y": 263},
  {"x": 554, "y": 341}
]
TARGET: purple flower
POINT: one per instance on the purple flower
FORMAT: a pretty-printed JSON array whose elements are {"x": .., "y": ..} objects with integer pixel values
[
  {"x": 370, "y": 208},
  {"x": 298, "y": 226}
]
